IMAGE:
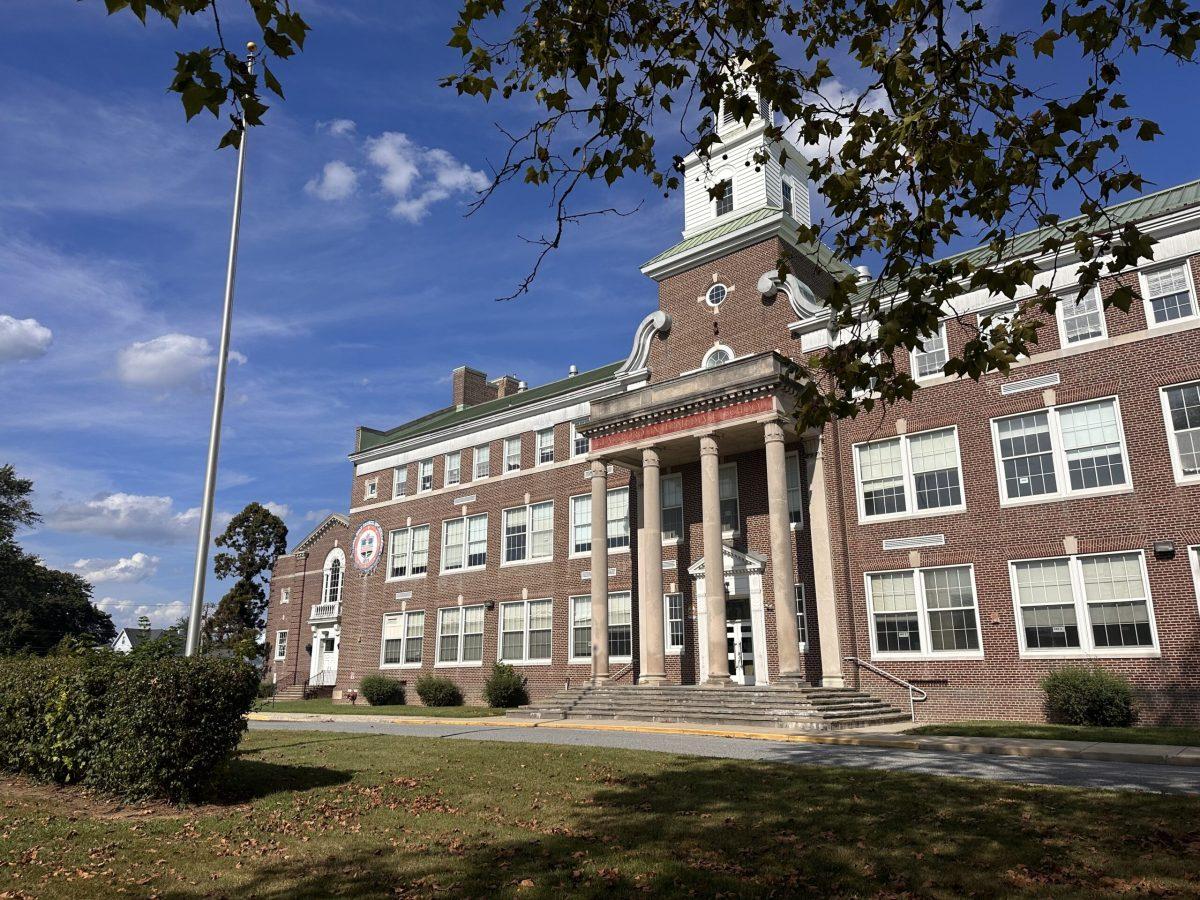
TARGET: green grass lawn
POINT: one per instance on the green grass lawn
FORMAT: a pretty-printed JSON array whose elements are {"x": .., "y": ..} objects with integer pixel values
[
  {"x": 313, "y": 814},
  {"x": 1188, "y": 737},
  {"x": 364, "y": 708}
]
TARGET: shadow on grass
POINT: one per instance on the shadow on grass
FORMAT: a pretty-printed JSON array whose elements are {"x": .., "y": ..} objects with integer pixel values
[
  {"x": 707, "y": 827},
  {"x": 242, "y": 780}
]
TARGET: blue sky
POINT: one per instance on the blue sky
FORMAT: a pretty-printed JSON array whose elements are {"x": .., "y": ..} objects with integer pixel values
[{"x": 361, "y": 285}]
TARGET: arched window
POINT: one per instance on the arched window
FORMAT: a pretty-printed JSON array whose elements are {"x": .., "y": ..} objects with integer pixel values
[
  {"x": 331, "y": 585},
  {"x": 717, "y": 356}
]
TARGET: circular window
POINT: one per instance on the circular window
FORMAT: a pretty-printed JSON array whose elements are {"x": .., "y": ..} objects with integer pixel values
[
  {"x": 716, "y": 294},
  {"x": 717, "y": 356}
]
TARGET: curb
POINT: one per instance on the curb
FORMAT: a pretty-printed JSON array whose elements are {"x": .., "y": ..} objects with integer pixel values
[{"x": 1146, "y": 754}]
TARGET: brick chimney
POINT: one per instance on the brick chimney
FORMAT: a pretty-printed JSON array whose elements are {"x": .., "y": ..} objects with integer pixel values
[
  {"x": 506, "y": 385},
  {"x": 471, "y": 387}
]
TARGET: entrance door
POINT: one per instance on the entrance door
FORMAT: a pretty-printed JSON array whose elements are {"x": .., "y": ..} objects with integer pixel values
[
  {"x": 739, "y": 640},
  {"x": 325, "y": 659}
]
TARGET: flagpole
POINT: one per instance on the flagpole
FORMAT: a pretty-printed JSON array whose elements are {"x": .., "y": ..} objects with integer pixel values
[{"x": 214, "y": 437}]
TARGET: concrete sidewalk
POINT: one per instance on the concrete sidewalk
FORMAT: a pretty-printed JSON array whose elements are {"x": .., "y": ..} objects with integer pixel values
[{"x": 883, "y": 737}]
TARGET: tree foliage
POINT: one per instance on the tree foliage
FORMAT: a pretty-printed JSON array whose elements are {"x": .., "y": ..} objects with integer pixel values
[
  {"x": 250, "y": 544},
  {"x": 39, "y": 606},
  {"x": 927, "y": 127}
]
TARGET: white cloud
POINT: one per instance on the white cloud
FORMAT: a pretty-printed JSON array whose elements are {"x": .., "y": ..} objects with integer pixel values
[
  {"x": 170, "y": 361},
  {"x": 127, "y": 569},
  {"x": 318, "y": 515},
  {"x": 280, "y": 509},
  {"x": 113, "y": 606},
  {"x": 128, "y": 516},
  {"x": 416, "y": 177},
  {"x": 162, "y": 615},
  {"x": 337, "y": 182},
  {"x": 23, "y": 339},
  {"x": 840, "y": 98},
  {"x": 338, "y": 127}
]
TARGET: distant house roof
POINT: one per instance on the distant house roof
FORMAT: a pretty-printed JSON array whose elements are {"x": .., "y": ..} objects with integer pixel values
[
  {"x": 139, "y": 636},
  {"x": 369, "y": 438}
]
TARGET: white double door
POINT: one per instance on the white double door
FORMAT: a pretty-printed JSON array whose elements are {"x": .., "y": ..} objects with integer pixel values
[
  {"x": 323, "y": 670},
  {"x": 739, "y": 639}
]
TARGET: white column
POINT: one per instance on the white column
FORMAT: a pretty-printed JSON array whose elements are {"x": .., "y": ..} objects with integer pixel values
[
  {"x": 599, "y": 476},
  {"x": 714, "y": 563},
  {"x": 822, "y": 557},
  {"x": 783, "y": 564},
  {"x": 650, "y": 603}
]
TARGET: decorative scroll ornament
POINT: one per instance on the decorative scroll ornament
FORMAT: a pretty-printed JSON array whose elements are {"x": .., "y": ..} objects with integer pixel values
[
  {"x": 658, "y": 322},
  {"x": 803, "y": 301}
]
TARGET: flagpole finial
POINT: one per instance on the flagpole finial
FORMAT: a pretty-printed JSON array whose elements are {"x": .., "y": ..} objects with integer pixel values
[{"x": 251, "y": 50}]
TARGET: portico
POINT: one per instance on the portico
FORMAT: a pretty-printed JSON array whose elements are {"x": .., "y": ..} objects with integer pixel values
[{"x": 742, "y": 406}]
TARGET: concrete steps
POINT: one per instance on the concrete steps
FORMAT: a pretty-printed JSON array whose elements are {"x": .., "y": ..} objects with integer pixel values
[{"x": 800, "y": 707}]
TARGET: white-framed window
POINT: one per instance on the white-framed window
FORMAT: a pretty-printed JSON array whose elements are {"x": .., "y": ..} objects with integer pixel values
[
  {"x": 482, "y": 459},
  {"x": 371, "y": 489},
  {"x": 280, "y": 646},
  {"x": 670, "y": 489},
  {"x": 403, "y": 640},
  {"x": 453, "y": 470},
  {"x": 525, "y": 631},
  {"x": 727, "y": 488},
  {"x": 544, "y": 442},
  {"x": 408, "y": 552},
  {"x": 580, "y": 444},
  {"x": 529, "y": 533},
  {"x": 1181, "y": 412},
  {"x": 464, "y": 543},
  {"x": 1093, "y": 605},
  {"x": 673, "y": 623},
  {"x": 620, "y": 627},
  {"x": 331, "y": 576},
  {"x": 512, "y": 454},
  {"x": 285, "y": 596},
  {"x": 1194, "y": 559},
  {"x": 1168, "y": 294},
  {"x": 425, "y": 475},
  {"x": 460, "y": 635},
  {"x": 617, "y": 516},
  {"x": 786, "y": 191},
  {"x": 929, "y": 359},
  {"x": 801, "y": 618},
  {"x": 400, "y": 481},
  {"x": 724, "y": 203},
  {"x": 1061, "y": 451},
  {"x": 911, "y": 474},
  {"x": 1081, "y": 320},
  {"x": 927, "y": 612},
  {"x": 716, "y": 294},
  {"x": 717, "y": 356},
  {"x": 795, "y": 491}
]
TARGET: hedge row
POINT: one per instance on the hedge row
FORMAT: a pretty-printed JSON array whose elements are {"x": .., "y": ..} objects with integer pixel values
[{"x": 136, "y": 728}]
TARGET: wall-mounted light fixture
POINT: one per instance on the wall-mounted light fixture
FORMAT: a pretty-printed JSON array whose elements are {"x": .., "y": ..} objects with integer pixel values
[{"x": 1164, "y": 549}]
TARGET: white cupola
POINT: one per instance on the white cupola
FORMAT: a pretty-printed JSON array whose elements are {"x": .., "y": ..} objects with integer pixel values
[{"x": 750, "y": 183}]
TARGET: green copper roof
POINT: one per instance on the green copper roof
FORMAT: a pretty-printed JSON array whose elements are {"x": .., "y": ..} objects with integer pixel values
[
  {"x": 713, "y": 233},
  {"x": 369, "y": 438}
]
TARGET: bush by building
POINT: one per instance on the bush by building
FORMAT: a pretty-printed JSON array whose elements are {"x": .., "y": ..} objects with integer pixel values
[
  {"x": 434, "y": 690},
  {"x": 505, "y": 688},
  {"x": 379, "y": 690},
  {"x": 1096, "y": 697},
  {"x": 134, "y": 728}
]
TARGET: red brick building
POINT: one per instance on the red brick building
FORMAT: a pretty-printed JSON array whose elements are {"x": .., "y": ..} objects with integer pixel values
[{"x": 967, "y": 542}]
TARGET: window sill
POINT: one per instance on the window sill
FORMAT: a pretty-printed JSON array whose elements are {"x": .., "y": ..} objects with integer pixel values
[
  {"x": 517, "y": 563},
  {"x": 463, "y": 570},
  {"x": 1130, "y": 653},
  {"x": 400, "y": 578},
  {"x": 619, "y": 551},
  {"x": 1005, "y": 503},
  {"x": 529, "y": 662},
  {"x": 458, "y": 665},
  {"x": 904, "y": 516},
  {"x": 401, "y": 665},
  {"x": 1152, "y": 325},
  {"x": 884, "y": 656}
]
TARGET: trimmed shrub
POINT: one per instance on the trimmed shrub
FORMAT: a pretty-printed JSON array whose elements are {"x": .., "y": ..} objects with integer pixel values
[
  {"x": 435, "y": 690},
  {"x": 379, "y": 690},
  {"x": 505, "y": 688},
  {"x": 266, "y": 690},
  {"x": 1097, "y": 697},
  {"x": 134, "y": 728}
]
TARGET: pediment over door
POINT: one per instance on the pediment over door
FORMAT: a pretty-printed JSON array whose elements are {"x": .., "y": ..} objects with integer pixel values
[{"x": 736, "y": 563}]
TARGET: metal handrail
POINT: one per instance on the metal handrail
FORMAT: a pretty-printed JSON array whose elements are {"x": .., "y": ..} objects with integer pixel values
[
  {"x": 621, "y": 672},
  {"x": 913, "y": 690}
]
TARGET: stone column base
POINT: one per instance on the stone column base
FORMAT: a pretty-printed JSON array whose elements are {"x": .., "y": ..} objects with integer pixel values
[
  {"x": 652, "y": 679},
  {"x": 791, "y": 679},
  {"x": 714, "y": 682},
  {"x": 833, "y": 681}
]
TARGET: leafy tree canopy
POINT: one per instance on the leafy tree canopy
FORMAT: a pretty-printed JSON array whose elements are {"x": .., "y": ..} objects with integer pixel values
[
  {"x": 251, "y": 543},
  {"x": 927, "y": 128},
  {"x": 39, "y": 607}
]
